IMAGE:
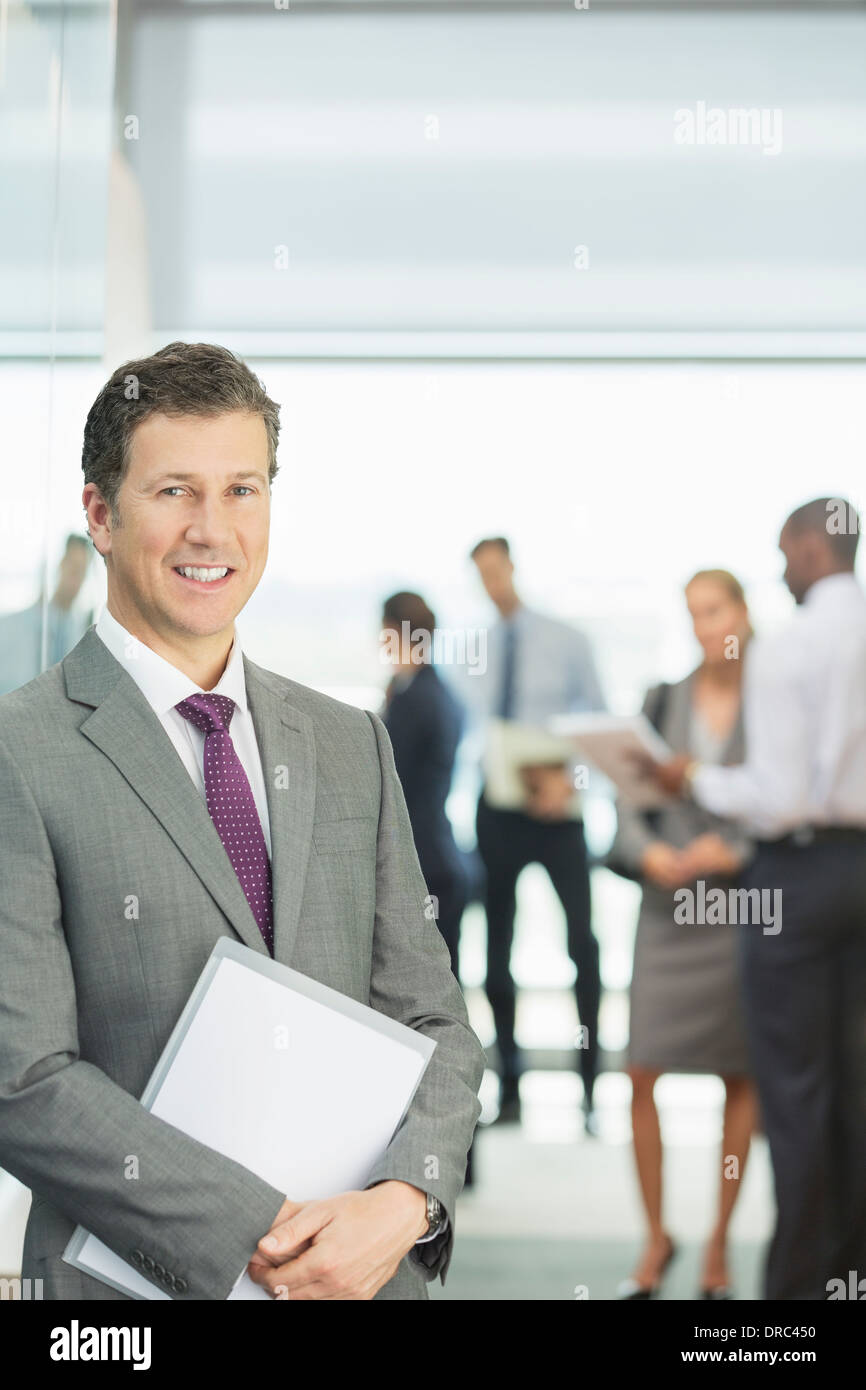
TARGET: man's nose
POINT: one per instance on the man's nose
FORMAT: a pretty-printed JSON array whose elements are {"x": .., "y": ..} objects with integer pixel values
[{"x": 208, "y": 524}]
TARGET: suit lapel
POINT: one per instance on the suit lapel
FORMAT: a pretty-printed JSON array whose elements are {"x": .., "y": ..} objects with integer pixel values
[
  {"x": 679, "y": 719},
  {"x": 288, "y": 755},
  {"x": 127, "y": 731}
]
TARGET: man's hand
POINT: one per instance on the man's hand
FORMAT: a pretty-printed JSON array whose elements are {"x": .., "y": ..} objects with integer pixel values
[
  {"x": 343, "y": 1247},
  {"x": 663, "y": 865},
  {"x": 549, "y": 791},
  {"x": 669, "y": 775},
  {"x": 710, "y": 854}
]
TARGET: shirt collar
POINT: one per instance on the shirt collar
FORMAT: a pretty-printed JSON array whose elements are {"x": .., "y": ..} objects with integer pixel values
[
  {"x": 161, "y": 683},
  {"x": 830, "y": 587},
  {"x": 520, "y": 615},
  {"x": 402, "y": 680}
]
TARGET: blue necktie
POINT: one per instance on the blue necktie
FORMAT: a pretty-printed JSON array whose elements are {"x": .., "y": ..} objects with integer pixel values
[{"x": 506, "y": 701}]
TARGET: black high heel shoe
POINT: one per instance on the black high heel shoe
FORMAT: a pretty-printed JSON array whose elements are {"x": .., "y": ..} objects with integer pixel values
[{"x": 630, "y": 1290}]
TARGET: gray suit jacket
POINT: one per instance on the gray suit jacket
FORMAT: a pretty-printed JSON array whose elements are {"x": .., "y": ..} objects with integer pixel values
[{"x": 114, "y": 887}]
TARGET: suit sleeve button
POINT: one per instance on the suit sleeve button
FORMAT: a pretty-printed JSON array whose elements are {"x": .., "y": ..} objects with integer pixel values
[
  {"x": 180, "y": 1285},
  {"x": 137, "y": 1257}
]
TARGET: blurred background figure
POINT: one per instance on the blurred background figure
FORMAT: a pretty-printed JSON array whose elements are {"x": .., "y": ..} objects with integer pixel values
[
  {"x": 801, "y": 789},
  {"x": 537, "y": 667},
  {"x": 21, "y": 633},
  {"x": 425, "y": 722},
  {"x": 685, "y": 1007}
]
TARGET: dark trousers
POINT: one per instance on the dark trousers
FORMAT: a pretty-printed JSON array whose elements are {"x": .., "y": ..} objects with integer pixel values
[
  {"x": 507, "y": 842},
  {"x": 805, "y": 1002}
]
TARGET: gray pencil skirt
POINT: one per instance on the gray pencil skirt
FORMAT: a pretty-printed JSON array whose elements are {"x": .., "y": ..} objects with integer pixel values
[{"x": 685, "y": 1000}]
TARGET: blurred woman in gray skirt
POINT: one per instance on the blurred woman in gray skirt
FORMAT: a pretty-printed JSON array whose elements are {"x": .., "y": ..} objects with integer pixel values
[{"x": 685, "y": 992}]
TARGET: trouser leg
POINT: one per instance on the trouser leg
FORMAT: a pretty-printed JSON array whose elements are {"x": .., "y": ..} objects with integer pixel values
[
  {"x": 499, "y": 847},
  {"x": 848, "y": 1118},
  {"x": 566, "y": 862},
  {"x": 788, "y": 996}
]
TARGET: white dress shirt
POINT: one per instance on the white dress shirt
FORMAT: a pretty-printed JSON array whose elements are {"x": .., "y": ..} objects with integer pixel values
[
  {"x": 554, "y": 670},
  {"x": 164, "y": 686},
  {"x": 804, "y": 710}
]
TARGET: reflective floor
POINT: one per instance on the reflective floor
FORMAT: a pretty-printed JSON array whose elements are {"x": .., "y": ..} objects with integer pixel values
[{"x": 555, "y": 1214}]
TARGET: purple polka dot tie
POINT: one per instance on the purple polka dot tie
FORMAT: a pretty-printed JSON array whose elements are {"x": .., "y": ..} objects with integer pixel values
[{"x": 232, "y": 805}]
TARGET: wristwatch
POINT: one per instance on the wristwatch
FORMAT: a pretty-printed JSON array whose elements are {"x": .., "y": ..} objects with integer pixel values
[{"x": 436, "y": 1219}]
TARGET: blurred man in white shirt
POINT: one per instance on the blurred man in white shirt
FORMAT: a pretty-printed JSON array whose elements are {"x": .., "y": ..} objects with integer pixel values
[{"x": 802, "y": 791}]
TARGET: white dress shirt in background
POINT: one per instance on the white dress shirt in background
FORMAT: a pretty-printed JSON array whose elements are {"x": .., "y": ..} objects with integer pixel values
[
  {"x": 804, "y": 709},
  {"x": 554, "y": 670},
  {"x": 164, "y": 686}
]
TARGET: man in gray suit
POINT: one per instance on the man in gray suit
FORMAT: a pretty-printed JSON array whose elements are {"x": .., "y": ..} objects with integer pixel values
[{"x": 158, "y": 791}]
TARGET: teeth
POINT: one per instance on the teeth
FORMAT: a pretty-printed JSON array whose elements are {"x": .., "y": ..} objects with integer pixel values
[{"x": 205, "y": 575}]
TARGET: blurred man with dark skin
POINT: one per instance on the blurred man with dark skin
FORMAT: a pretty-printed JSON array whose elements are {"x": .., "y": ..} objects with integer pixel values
[
  {"x": 802, "y": 793},
  {"x": 538, "y": 667}
]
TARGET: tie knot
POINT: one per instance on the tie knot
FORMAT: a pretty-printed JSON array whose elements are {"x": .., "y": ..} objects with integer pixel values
[{"x": 208, "y": 712}]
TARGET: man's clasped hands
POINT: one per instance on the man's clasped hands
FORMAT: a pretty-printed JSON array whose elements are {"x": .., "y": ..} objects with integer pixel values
[{"x": 344, "y": 1247}]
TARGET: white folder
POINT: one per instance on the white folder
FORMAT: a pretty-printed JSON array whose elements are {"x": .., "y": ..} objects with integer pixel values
[
  {"x": 299, "y": 1083},
  {"x": 511, "y": 746},
  {"x": 615, "y": 744}
]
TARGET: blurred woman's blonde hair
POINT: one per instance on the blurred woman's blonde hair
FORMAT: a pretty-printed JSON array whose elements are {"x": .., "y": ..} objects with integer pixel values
[{"x": 732, "y": 586}]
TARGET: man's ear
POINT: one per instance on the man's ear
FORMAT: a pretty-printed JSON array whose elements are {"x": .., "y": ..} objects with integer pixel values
[
  {"x": 98, "y": 516},
  {"x": 815, "y": 548}
]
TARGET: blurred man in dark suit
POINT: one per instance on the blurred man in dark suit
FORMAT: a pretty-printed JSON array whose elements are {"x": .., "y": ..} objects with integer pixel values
[{"x": 425, "y": 723}]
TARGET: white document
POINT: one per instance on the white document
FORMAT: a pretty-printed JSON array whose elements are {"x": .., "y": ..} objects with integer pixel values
[
  {"x": 615, "y": 744},
  {"x": 294, "y": 1080},
  {"x": 511, "y": 746}
]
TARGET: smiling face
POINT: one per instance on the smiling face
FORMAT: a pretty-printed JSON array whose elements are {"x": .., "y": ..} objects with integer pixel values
[{"x": 196, "y": 494}]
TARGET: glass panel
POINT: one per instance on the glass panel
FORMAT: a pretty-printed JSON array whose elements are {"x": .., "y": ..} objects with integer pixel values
[{"x": 56, "y": 71}]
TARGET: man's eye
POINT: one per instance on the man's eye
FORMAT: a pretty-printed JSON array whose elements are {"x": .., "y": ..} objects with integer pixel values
[{"x": 241, "y": 487}]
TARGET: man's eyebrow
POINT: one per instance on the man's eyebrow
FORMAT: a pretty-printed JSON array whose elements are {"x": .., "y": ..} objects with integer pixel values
[{"x": 194, "y": 477}]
